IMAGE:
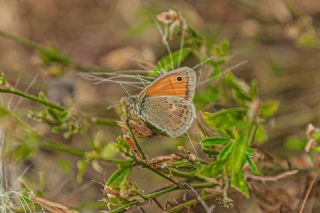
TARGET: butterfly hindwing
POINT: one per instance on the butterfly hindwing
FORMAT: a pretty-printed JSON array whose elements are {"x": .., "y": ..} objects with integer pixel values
[{"x": 173, "y": 115}]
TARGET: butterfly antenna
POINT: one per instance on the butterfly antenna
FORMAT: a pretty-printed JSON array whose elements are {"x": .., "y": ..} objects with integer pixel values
[
  {"x": 224, "y": 71},
  {"x": 98, "y": 80},
  {"x": 192, "y": 144},
  {"x": 204, "y": 61},
  {"x": 125, "y": 89},
  {"x": 199, "y": 77}
]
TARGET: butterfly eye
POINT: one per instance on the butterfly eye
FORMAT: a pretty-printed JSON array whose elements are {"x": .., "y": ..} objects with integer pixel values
[{"x": 179, "y": 78}]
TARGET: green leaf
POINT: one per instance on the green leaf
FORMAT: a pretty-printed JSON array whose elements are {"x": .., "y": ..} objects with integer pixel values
[
  {"x": 3, "y": 111},
  {"x": 296, "y": 144},
  {"x": 197, "y": 40},
  {"x": 170, "y": 62},
  {"x": 52, "y": 55},
  {"x": 225, "y": 152},
  {"x": 53, "y": 113},
  {"x": 224, "y": 121},
  {"x": 210, "y": 151},
  {"x": 239, "y": 183},
  {"x": 251, "y": 152},
  {"x": 82, "y": 167},
  {"x": 64, "y": 116},
  {"x": 261, "y": 134},
  {"x": 224, "y": 46},
  {"x": 212, "y": 169},
  {"x": 208, "y": 97},
  {"x": 214, "y": 141},
  {"x": 238, "y": 157},
  {"x": 253, "y": 166},
  {"x": 241, "y": 90},
  {"x": 238, "y": 154},
  {"x": 65, "y": 165},
  {"x": 269, "y": 108},
  {"x": 316, "y": 135},
  {"x": 109, "y": 151},
  {"x": 120, "y": 176}
]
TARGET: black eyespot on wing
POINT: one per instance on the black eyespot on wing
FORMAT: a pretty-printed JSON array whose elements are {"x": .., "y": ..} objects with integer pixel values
[{"x": 179, "y": 78}]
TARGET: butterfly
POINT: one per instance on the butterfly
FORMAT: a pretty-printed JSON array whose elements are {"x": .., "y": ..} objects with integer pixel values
[{"x": 166, "y": 103}]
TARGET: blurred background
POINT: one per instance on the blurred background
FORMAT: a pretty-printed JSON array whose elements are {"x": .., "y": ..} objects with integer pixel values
[{"x": 280, "y": 39}]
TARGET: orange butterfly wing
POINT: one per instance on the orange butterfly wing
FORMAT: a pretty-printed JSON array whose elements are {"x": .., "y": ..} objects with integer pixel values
[{"x": 180, "y": 83}]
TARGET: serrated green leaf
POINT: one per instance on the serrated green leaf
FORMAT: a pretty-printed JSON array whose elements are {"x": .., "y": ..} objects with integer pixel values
[
  {"x": 119, "y": 176},
  {"x": 214, "y": 141},
  {"x": 170, "y": 62},
  {"x": 269, "y": 108}
]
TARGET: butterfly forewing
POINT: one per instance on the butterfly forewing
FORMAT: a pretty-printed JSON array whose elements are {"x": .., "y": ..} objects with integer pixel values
[
  {"x": 178, "y": 83},
  {"x": 173, "y": 115}
]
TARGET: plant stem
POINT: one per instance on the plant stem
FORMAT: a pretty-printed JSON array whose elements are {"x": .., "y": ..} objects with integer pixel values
[
  {"x": 132, "y": 135},
  {"x": 144, "y": 164},
  {"x": 32, "y": 98},
  {"x": 184, "y": 174},
  {"x": 190, "y": 203},
  {"x": 52, "y": 145},
  {"x": 103, "y": 121},
  {"x": 159, "y": 193},
  {"x": 22, "y": 41}
]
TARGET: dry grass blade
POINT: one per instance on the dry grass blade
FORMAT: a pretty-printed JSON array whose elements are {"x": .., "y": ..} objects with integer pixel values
[{"x": 51, "y": 206}]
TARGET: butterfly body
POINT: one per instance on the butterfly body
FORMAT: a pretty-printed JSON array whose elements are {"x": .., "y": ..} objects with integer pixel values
[{"x": 167, "y": 102}]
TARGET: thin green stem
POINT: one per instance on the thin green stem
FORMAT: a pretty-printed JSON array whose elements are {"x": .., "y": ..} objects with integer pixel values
[
  {"x": 159, "y": 193},
  {"x": 146, "y": 165},
  {"x": 52, "y": 145},
  {"x": 132, "y": 135},
  {"x": 22, "y": 41},
  {"x": 31, "y": 97},
  {"x": 190, "y": 203},
  {"x": 103, "y": 121},
  {"x": 184, "y": 174}
]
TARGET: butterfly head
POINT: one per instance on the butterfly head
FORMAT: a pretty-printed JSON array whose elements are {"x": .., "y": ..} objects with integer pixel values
[{"x": 133, "y": 103}]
